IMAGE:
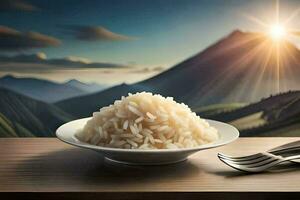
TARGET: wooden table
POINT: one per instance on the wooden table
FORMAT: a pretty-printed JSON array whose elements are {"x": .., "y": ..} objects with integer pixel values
[{"x": 46, "y": 168}]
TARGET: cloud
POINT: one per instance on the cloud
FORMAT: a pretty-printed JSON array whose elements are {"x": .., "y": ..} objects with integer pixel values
[
  {"x": 19, "y": 5},
  {"x": 13, "y": 40},
  {"x": 148, "y": 69},
  {"x": 79, "y": 59},
  {"x": 96, "y": 33},
  {"x": 39, "y": 61}
]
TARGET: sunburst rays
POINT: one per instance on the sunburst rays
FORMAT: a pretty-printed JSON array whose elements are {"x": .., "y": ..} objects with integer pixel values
[
  {"x": 281, "y": 30},
  {"x": 253, "y": 65}
]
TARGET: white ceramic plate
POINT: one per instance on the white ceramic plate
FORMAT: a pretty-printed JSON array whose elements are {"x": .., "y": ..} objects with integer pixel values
[{"x": 67, "y": 131}]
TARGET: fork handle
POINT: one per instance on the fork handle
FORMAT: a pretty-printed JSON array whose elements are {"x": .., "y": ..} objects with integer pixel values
[
  {"x": 286, "y": 147},
  {"x": 291, "y": 158}
]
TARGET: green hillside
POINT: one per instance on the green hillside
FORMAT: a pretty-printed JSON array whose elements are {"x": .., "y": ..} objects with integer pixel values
[
  {"x": 277, "y": 115},
  {"x": 292, "y": 130},
  {"x": 9, "y": 129},
  {"x": 24, "y": 116},
  {"x": 272, "y": 104},
  {"x": 217, "y": 108}
]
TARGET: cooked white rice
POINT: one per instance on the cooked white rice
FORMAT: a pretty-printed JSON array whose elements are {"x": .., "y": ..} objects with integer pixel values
[{"x": 147, "y": 121}]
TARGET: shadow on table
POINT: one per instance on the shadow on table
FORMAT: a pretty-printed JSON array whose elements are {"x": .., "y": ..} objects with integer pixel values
[{"x": 80, "y": 165}]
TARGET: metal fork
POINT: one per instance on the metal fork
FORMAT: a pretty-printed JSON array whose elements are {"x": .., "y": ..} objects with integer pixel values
[
  {"x": 261, "y": 163},
  {"x": 289, "y": 147}
]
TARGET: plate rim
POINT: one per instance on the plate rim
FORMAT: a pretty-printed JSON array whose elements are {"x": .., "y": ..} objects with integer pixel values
[{"x": 234, "y": 137}]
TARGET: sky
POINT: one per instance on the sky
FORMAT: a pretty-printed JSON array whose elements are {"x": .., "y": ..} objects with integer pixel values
[{"x": 119, "y": 40}]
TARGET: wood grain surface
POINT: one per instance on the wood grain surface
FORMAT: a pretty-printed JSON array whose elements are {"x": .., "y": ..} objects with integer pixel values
[{"x": 47, "y": 168}]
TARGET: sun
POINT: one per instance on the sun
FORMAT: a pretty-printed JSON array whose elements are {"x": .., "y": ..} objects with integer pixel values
[
  {"x": 281, "y": 33},
  {"x": 277, "y": 31}
]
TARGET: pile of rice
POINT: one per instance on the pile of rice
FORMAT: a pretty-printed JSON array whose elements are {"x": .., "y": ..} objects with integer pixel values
[{"x": 147, "y": 121}]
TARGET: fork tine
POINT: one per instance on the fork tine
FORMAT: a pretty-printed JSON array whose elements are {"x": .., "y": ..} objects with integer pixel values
[
  {"x": 253, "y": 163},
  {"x": 241, "y": 168},
  {"x": 262, "y": 163},
  {"x": 238, "y": 157},
  {"x": 242, "y": 158},
  {"x": 258, "y": 159},
  {"x": 255, "y": 167},
  {"x": 235, "y": 166}
]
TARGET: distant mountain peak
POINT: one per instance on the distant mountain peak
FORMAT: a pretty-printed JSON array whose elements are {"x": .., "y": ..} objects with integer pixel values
[
  {"x": 73, "y": 81},
  {"x": 88, "y": 87},
  {"x": 237, "y": 35},
  {"x": 236, "y": 32},
  {"x": 40, "y": 89},
  {"x": 124, "y": 84},
  {"x": 8, "y": 77}
]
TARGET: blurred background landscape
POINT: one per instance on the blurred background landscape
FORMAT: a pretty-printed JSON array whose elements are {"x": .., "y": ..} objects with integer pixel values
[{"x": 233, "y": 61}]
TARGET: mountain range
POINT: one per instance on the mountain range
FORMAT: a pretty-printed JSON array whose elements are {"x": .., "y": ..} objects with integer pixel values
[
  {"x": 234, "y": 80},
  {"x": 87, "y": 87},
  {"x": 242, "y": 67},
  {"x": 48, "y": 91}
]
